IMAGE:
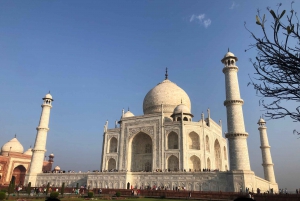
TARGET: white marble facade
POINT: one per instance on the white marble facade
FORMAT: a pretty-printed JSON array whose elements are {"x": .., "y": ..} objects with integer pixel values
[
  {"x": 166, "y": 147},
  {"x": 152, "y": 143}
]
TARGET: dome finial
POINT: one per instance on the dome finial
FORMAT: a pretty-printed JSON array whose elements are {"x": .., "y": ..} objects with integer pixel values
[
  {"x": 15, "y": 135},
  {"x": 228, "y": 50},
  {"x": 49, "y": 91},
  {"x": 166, "y": 75}
]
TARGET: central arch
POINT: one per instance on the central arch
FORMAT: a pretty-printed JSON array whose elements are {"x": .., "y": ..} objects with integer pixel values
[
  {"x": 19, "y": 174},
  {"x": 141, "y": 153}
]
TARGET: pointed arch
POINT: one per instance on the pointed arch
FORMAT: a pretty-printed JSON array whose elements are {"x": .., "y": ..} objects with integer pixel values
[
  {"x": 218, "y": 159},
  {"x": 113, "y": 145},
  {"x": 173, "y": 140},
  {"x": 111, "y": 164},
  {"x": 18, "y": 175},
  {"x": 207, "y": 143},
  {"x": 141, "y": 153},
  {"x": 225, "y": 153},
  {"x": 193, "y": 141},
  {"x": 173, "y": 163},
  {"x": 208, "y": 163},
  {"x": 194, "y": 163}
]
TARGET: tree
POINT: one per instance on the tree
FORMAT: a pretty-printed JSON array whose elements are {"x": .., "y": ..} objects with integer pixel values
[
  {"x": 28, "y": 189},
  {"x": 62, "y": 190},
  {"x": 277, "y": 63}
]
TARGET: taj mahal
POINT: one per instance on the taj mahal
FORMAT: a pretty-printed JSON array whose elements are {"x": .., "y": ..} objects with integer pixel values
[{"x": 162, "y": 147}]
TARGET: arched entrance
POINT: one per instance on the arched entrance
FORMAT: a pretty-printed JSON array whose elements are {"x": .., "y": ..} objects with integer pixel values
[
  {"x": 111, "y": 164},
  {"x": 193, "y": 140},
  {"x": 194, "y": 163},
  {"x": 113, "y": 144},
  {"x": 218, "y": 159},
  {"x": 173, "y": 140},
  {"x": 19, "y": 174},
  {"x": 173, "y": 163},
  {"x": 141, "y": 153}
]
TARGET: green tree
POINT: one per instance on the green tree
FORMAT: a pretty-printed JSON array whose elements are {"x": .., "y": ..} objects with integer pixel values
[
  {"x": 277, "y": 64},
  {"x": 2, "y": 195},
  {"x": 11, "y": 187},
  {"x": 62, "y": 190},
  {"x": 28, "y": 189}
]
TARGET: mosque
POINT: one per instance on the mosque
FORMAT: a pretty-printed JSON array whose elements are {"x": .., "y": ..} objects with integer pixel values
[
  {"x": 14, "y": 162},
  {"x": 162, "y": 147}
]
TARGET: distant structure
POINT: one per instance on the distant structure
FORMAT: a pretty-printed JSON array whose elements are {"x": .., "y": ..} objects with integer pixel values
[
  {"x": 15, "y": 163},
  {"x": 165, "y": 148},
  {"x": 266, "y": 152}
]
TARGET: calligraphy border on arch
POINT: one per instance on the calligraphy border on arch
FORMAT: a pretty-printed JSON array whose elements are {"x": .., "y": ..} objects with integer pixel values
[
  {"x": 111, "y": 136},
  {"x": 168, "y": 131},
  {"x": 155, "y": 126}
]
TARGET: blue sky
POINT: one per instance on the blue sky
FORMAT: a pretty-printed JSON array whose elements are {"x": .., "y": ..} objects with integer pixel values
[{"x": 98, "y": 57}]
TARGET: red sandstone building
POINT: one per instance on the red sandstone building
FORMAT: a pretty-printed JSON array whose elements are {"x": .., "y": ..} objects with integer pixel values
[{"x": 15, "y": 163}]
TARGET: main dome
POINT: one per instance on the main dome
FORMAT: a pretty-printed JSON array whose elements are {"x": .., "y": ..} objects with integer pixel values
[{"x": 168, "y": 94}]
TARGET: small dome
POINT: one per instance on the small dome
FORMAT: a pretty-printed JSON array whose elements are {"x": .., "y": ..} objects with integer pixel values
[
  {"x": 128, "y": 114},
  {"x": 48, "y": 96},
  {"x": 51, "y": 155},
  {"x": 261, "y": 121},
  {"x": 167, "y": 94},
  {"x": 181, "y": 109},
  {"x": 28, "y": 152},
  {"x": 12, "y": 146},
  {"x": 57, "y": 168},
  {"x": 229, "y": 54}
]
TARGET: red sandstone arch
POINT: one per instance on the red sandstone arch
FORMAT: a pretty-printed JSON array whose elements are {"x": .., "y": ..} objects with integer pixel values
[{"x": 19, "y": 174}]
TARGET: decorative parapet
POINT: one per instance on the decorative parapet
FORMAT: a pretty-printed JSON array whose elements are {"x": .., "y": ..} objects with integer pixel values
[
  {"x": 234, "y": 68},
  {"x": 233, "y": 135},
  {"x": 231, "y": 102}
]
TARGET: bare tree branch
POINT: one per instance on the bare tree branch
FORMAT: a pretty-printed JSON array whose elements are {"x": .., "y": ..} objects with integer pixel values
[{"x": 277, "y": 64}]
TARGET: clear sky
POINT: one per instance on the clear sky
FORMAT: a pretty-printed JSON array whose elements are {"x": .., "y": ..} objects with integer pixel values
[{"x": 98, "y": 57}]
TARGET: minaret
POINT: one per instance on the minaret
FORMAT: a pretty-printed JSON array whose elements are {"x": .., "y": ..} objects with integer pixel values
[
  {"x": 39, "y": 148},
  {"x": 237, "y": 136},
  {"x": 265, "y": 152}
]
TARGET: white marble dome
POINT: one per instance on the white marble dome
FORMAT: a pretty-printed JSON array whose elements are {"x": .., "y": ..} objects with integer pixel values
[
  {"x": 261, "y": 121},
  {"x": 128, "y": 114},
  {"x": 28, "y": 152},
  {"x": 181, "y": 109},
  {"x": 57, "y": 168},
  {"x": 48, "y": 96},
  {"x": 168, "y": 94},
  {"x": 229, "y": 54},
  {"x": 13, "y": 146}
]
